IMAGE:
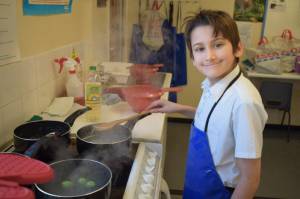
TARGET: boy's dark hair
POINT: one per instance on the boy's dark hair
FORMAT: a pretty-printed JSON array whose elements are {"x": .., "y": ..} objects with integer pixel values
[{"x": 219, "y": 20}]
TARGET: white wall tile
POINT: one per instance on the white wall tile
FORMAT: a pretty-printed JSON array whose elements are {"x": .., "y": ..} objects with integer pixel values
[
  {"x": 45, "y": 95},
  {"x": 45, "y": 68},
  {"x": 28, "y": 75},
  {"x": 60, "y": 87},
  {"x": 29, "y": 86},
  {"x": 12, "y": 116},
  {"x": 10, "y": 84},
  {"x": 30, "y": 104}
]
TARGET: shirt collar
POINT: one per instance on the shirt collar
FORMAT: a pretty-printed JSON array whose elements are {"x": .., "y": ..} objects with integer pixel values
[{"x": 217, "y": 89}]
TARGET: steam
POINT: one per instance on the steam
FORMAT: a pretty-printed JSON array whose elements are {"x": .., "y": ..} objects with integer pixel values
[{"x": 110, "y": 147}]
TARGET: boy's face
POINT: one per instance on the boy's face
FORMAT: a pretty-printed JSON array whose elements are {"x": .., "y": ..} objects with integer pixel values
[{"x": 213, "y": 56}]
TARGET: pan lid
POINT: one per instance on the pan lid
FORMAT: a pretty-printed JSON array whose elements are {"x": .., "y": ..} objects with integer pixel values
[
  {"x": 11, "y": 190},
  {"x": 24, "y": 170}
]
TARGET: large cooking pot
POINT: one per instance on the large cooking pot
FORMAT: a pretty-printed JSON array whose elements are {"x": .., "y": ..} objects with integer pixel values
[
  {"x": 77, "y": 178},
  {"x": 112, "y": 146},
  {"x": 29, "y": 133}
]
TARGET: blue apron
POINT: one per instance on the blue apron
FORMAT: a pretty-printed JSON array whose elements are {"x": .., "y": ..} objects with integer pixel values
[{"x": 201, "y": 179}]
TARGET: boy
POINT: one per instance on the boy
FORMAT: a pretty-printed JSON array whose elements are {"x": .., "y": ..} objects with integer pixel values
[{"x": 225, "y": 147}]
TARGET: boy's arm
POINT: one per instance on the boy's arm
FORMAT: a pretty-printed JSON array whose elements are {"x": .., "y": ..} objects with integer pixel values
[
  {"x": 249, "y": 179},
  {"x": 188, "y": 111},
  {"x": 164, "y": 106}
]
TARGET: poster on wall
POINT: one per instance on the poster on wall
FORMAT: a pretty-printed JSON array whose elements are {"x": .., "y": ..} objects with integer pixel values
[
  {"x": 9, "y": 48},
  {"x": 249, "y": 10},
  {"x": 46, "y": 7},
  {"x": 49, "y": 2}
]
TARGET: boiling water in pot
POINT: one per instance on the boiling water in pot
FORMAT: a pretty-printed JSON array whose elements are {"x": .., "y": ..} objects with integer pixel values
[{"x": 109, "y": 136}]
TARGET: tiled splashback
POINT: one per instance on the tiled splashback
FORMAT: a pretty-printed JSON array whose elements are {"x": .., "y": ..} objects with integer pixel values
[{"x": 28, "y": 87}]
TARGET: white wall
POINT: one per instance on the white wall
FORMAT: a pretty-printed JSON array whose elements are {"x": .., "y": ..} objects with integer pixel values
[
  {"x": 27, "y": 87},
  {"x": 276, "y": 21}
]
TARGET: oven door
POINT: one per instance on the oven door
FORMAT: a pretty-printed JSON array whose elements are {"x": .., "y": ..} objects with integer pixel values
[{"x": 145, "y": 179}]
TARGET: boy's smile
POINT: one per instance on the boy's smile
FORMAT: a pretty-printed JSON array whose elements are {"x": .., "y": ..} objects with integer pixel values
[{"x": 213, "y": 56}]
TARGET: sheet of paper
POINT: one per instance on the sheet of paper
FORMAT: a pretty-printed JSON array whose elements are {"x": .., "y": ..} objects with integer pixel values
[
  {"x": 245, "y": 30},
  {"x": 9, "y": 49}
]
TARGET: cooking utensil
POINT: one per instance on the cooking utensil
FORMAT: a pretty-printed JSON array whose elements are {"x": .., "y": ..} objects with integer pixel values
[
  {"x": 107, "y": 125},
  {"x": 106, "y": 137},
  {"x": 29, "y": 133},
  {"x": 111, "y": 146},
  {"x": 79, "y": 173},
  {"x": 141, "y": 96}
]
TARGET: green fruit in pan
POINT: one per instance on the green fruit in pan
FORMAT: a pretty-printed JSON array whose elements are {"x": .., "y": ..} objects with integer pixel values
[
  {"x": 67, "y": 184},
  {"x": 82, "y": 181},
  {"x": 90, "y": 184}
]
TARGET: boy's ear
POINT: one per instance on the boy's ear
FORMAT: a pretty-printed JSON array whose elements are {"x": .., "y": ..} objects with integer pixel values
[{"x": 240, "y": 50}]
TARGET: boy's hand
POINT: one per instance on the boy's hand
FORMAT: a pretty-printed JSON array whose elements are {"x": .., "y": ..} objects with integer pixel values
[{"x": 162, "y": 106}]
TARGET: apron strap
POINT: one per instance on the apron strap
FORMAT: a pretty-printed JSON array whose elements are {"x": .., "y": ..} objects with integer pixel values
[{"x": 215, "y": 104}]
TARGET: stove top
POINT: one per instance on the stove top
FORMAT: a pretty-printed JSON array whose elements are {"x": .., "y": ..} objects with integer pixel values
[{"x": 120, "y": 167}]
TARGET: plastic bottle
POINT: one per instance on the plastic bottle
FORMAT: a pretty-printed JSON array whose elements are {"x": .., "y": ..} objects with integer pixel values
[
  {"x": 74, "y": 86},
  {"x": 93, "y": 91}
]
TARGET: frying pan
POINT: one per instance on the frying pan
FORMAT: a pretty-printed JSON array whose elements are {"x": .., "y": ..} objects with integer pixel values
[
  {"x": 141, "y": 96},
  {"x": 78, "y": 173},
  {"x": 142, "y": 73},
  {"x": 29, "y": 133}
]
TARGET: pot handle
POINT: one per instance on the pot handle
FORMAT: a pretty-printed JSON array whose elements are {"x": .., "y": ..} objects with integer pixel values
[
  {"x": 35, "y": 147},
  {"x": 71, "y": 118}
]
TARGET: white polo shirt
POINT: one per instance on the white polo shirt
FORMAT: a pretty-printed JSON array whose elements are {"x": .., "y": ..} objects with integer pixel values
[{"x": 236, "y": 125}]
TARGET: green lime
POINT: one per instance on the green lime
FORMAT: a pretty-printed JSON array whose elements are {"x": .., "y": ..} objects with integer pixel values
[
  {"x": 82, "y": 181},
  {"x": 67, "y": 184},
  {"x": 90, "y": 184}
]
